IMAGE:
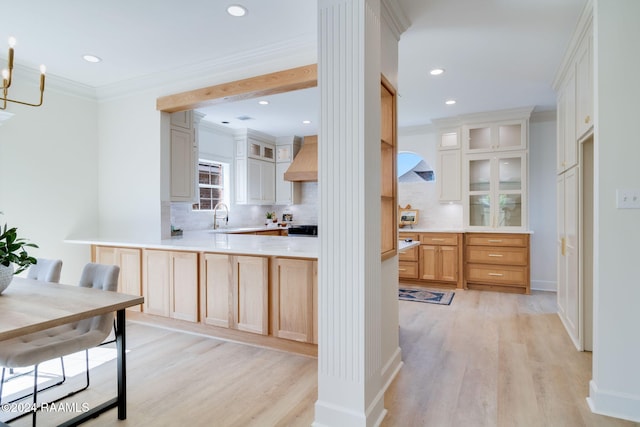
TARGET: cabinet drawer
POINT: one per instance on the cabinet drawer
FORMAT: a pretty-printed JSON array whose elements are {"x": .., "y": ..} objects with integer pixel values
[
  {"x": 438, "y": 239},
  {"x": 408, "y": 269},
  {"x": 409, "y": 255},
  {"x": 503, "y": 275},
  {"x": 497, "y": 255},
  {"x": 412, "y": 236},
  {"x": 502, "y": 239}
]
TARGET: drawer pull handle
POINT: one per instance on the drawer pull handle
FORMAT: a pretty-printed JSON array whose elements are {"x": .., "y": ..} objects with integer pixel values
[
  {"x": 496, "y": 255},
  {"x": 438, "y": 240},
  {"x": 496, "y": 274},
  {"x": 495, "y": 241},
  {"x": 402, "y": 269}
]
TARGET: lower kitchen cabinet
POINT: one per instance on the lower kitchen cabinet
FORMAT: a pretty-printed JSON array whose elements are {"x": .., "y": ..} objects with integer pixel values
[
  {"x": 408, "y": 260},
  {"x": 440, "y": 258},
  {"x": 294, "y": 296},
  {"x": 497, "y": 261},
  {"x": 171, "y": 284},
  {"x": 235, "y": 292},
  {"x": 129, "y": 261}
]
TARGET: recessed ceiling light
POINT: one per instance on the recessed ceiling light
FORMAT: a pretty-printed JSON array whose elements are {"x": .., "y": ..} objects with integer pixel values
[
  {"x": 436, "y": 71},
  {"x": 306, "y": 122},
  {"x": 450, "y": 101},
  {"x": 224, "y": 122},
  {"x": 91, "y": 58},
  {"x": 263, "y": 102},
  {"x": 236, "y": 10}
]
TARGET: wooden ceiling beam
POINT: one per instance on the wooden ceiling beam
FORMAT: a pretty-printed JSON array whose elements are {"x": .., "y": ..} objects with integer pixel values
[{"x": 253, "y": 87}]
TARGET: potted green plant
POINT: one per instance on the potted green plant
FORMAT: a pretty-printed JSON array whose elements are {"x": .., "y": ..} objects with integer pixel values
[{"x": 12, "y": 251}]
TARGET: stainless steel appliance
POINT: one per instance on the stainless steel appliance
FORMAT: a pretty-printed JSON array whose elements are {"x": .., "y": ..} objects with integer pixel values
[{"x": 303, "y": 230}]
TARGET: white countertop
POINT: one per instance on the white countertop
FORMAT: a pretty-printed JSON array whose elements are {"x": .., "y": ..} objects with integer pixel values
[
  {"x": 215, "y": 241},
  {"x": 236, "y": 244},
  {"x": 460, "y": 230}
]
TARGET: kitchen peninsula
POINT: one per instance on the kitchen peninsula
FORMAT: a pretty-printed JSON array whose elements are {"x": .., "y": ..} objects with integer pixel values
[{"x": 260, "y": 284}]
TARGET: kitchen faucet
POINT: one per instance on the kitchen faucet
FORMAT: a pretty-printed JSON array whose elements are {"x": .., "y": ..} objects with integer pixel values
[{"x": 215, "y": 214}]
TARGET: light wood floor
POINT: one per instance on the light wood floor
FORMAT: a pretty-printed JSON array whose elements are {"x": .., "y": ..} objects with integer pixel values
[{"x": 489, "y": 359}]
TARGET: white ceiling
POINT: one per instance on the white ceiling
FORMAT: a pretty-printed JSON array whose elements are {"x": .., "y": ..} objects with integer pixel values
[{"x": 497, "y": 53}]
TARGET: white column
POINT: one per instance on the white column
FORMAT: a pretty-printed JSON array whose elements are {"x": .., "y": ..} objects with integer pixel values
[{"x": 349, "y": 349}]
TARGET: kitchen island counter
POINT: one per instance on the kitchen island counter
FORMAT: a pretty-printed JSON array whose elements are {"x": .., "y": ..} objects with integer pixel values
[{"x": 216, "y": 242}]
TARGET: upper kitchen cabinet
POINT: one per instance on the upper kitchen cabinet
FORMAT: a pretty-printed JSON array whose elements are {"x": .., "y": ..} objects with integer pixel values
[
  {"x": 496, "y": 136},
  {"x": 495, "y": 171},
  {"x": 287, "y": 192},
  {"x": 496, "y": 191},
  {"x": 255, "y": 168},
  {"x": 184, "y": 155},
  {"x": 584, "y": 84},
  {"x": 449, "y": 159}
]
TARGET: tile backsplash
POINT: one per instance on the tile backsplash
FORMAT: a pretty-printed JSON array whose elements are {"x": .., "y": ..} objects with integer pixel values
[
  {"x": 305, "y": 212},
  {"x": 431, "y": 213}
]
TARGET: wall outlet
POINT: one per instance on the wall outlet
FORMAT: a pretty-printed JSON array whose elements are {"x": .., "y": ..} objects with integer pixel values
[{"x": 628, "y": 199}]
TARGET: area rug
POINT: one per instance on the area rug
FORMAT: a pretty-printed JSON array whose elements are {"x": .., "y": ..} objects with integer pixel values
[{"x": 426, "y": 295}]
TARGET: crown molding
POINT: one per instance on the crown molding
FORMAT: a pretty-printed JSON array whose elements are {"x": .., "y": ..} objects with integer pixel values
[
  {"x": 213, "y": 71},
  {"x": 393, "y": 14}
]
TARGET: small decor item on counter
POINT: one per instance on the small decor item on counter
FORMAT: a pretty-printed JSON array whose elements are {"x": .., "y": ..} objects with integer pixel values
[
  {"x": 12, "y": 251},
  {"x": 287, "y": 217},
  {"x": 270, "y": 217},
  {"x": 176, "y": 231},
  {"x": 407, "y": 216}
]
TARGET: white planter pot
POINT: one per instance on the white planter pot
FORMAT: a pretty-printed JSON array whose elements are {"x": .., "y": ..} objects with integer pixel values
[{"x": 6, "y": 275}]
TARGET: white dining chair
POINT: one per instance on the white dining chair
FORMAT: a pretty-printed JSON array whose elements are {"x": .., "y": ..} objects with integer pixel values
[
  {"x": 44, "y": 270},
  {"x": 33, "y": 349}
]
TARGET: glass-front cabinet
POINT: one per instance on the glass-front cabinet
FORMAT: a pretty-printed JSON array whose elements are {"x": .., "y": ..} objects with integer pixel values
[
  {"x": 508, "y": 135},
  {"x": 496, "y": 190}
]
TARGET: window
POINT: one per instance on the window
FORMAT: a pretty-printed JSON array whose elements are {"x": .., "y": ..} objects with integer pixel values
[
  {"x": 413, "y": 168},
  {"x": 212, "y": 184}
]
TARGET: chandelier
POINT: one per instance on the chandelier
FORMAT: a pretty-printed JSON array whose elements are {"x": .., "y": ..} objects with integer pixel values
[{"x": 7, "y": 75}]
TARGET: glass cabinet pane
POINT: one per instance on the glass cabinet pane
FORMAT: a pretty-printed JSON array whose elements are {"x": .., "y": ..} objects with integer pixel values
[
  {"x": 479, "y": 175},
  {"x": 479, "y": 138},
  {"x": 510, "y": 173},
  {"x": 268, "y": 153},
  {"x": 480, "y": 210},
  {"x": 254, "y": 150},
  {"x": 510, "y": 135},
  {"x": 510, "y": 210}
]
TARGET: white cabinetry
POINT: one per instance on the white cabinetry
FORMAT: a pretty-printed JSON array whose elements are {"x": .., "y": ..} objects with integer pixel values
[
  {"x": 496, "y": 136},
  {"x": 255, "y": 171},
  {"x": 184, "y": 156},
  {"x": 584, "y": 84},
  {"x": 448, "y": 172},
  {"x": 287, "y": 192},
  {"x": 495, "y": 170},
  {"x": 568, "y": 253},
  {"x": 574, "y": 87}
]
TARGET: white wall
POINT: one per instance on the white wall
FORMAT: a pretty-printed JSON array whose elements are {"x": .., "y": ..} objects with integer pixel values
[
  {"x": 615, "y": 387},
  {"x": 48, "y": 173},
  {"x": 542, "y": 200},
  {"x": 423, "y": 196}
]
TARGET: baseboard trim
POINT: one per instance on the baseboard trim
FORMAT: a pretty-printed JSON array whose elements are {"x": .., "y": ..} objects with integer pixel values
[
  {"x": 613, "y": 404},
  {"x": 544, "y": 285}
]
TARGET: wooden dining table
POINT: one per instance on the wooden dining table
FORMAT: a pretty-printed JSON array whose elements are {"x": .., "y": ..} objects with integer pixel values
[{"x": 28, "y": 306}]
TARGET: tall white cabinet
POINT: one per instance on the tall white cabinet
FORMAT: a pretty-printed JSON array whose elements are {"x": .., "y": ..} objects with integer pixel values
[
  {"x": 574, "y": 88},
  {"x": 495, "y": 170},
  {"x": 184, "y": 156}
]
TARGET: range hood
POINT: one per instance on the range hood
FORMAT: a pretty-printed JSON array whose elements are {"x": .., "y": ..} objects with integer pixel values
[{"x": 305, "y": 164}]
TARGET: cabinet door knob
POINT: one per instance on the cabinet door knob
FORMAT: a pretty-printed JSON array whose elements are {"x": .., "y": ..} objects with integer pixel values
[{"x": 587, "y": 119}]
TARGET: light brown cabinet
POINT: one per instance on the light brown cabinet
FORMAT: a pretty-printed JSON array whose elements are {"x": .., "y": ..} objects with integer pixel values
[
  {"x": 388, "y": 176},
  {"x": 497, "y": 262},
  {"x": 129, "y": 261},
  {"x": 294, "y": 290},
  {"x": 170, "y": 282},
  {"x": 440, "y": 257},
  {"x": 408, "y": 260},
  {"x": 235, "y": 292}
]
